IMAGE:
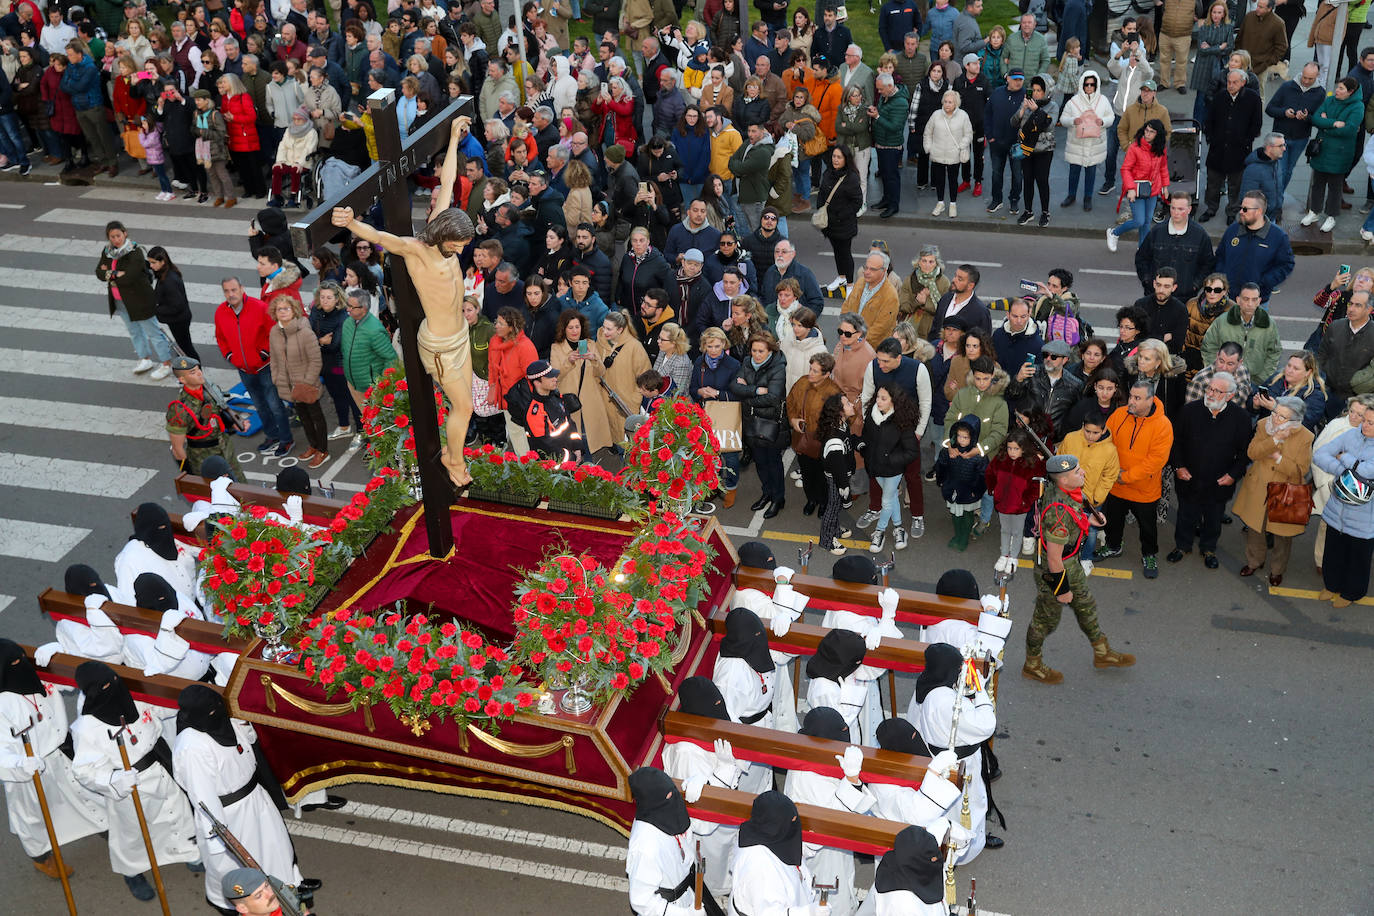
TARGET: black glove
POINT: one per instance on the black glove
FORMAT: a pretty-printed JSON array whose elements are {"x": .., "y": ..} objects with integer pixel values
[{"x": 572, "y": 403}]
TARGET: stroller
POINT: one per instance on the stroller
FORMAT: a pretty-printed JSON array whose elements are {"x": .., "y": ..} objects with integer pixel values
[{"x": 1185, "y": 158}]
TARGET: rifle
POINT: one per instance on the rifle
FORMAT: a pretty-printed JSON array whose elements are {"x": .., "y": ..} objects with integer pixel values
[
  {"x": 236, "y": 849},
  {"x": 615, "y": 399},
  {"x": 213, "y": 392},
  {"x": 804, "y": 556}
]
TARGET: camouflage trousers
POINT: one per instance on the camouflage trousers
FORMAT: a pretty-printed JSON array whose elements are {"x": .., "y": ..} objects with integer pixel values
[
  {"x": 1045, "y": 619},
  {"x": 225, "y": 449}
]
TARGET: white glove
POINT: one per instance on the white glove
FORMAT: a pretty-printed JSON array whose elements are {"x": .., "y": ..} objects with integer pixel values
[
  {"x": 123, "y": 782},
  {"x": 944, "y": 761},
  {"x": 170, "y": 619},
  {"x": 851, "y": 762},
  {"x": 872, "y": 638},
  {"x": 691, "y": 788},
  {"x": 887, "y": 600},
  {"x": 781, "y": 624},
  {"x": 783, "y": 574},
  {"x": 725, "y": 754},
  {"x": 992, "y": 604},
  {"x": 819, "y": 910},
  {"x": 294, "y": 510},
  {"x": 44, "y": 653},
  {"x": 32, "y": 765},
  {"x": 94, "y": 602}
]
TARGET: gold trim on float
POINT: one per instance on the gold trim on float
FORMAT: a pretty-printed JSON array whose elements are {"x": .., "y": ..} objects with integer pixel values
[
  {"x": 525, "y": 750},
  {"x": 602, "y": 814},
  {"x": 310, "y": 706}
]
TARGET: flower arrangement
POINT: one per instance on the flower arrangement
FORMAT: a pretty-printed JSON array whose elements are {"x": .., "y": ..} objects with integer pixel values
[
  {"x": 422, "y": 667},
  {"x": 528, "y": 475},
  {"x": 367, "y": 515},
  {"x": 608, "y": 630},
  {"x": 506, "y": 473},
  {"x": 387, "y": 422},
  {"x": 675, "y": 455},
  {"x": 259, "y": 567}
]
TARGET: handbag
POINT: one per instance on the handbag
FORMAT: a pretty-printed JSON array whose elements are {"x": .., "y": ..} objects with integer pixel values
[
  {"x": 1314, "y": 147},
  {"x": 304, "y": 393},
  {"x": 759, "y": 427},
  {"x": 726, "y": 421},
  {"x": 1288, "y": 503},
  {"x": 1088, "y": 130},
  {"x": 817, "y": 145},
  {"x": 821, "y": 218},
  {"x": 133, "y": 146}
]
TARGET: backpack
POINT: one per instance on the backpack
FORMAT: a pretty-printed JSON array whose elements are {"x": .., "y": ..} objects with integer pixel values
[{"x": 1064, "y": 324}]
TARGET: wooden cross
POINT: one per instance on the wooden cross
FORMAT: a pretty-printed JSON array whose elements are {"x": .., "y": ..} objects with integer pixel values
[{"x": 385, "y": 180}]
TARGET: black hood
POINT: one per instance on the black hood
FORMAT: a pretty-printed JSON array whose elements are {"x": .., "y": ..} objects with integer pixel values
[
  {"x": 154, "y": 528},
  {"x": 293, "y": 480},
  {"x": 857, "y": 569},
  {"x": 914, "y": 865},
  {"x": 658, "y": 802},
  {"x": 746, "y": 638},
  {"x": 82, "y": 580},
  {"x": 824, "y": 722},
  {"x": 901, "y": 736},
  {"x": 942, "y": 667},
  {"x": 151, "y": 591},
  {"x": 839, "y": 655},
  {"x": 17, "y": 673},
  {"x": 758, "y": 555},
  {"x": 215, "y": 467},
  {"x": 204, "y": 710},
  {"x": 699, "y": 696},
  {"x": 958, "y": 583},
  {"x": 774, "y": 823},
  {"x": 106, "y": 697},
  {"x": 272, "y": 221}
]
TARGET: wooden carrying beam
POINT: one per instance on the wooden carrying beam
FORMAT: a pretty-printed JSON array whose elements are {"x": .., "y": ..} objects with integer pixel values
[
  {"x": 792, "y": 751},
  {"x": 317, "y": 507},
  {"x": 159, "y": 690},
  {"x": 827, "y": 594},
  {"x": 840, "y": 829},
  {"x": 802, "y": 639},
  {"x": 203, "y": 635}
]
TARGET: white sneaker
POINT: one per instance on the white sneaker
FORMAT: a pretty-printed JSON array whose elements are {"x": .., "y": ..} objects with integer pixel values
[
  {"x": 834, "y": 284},
  {"x": 1000, "y": 566},
  {"x": 899, "y": 535},
  {"x": 1087, "y": 567},
  {"x": 1112, "y": 240},
  {"x": 143, "y": 366},
  {"x": 862, "y": 211},
  {"x": 795, "y": 474},
  {"x": 161, "y": 372},
  {"x": 876, "y": 545},
  {"x": 161, "y": 195},
  {"x": 179, "y": 185},
  {"x": 1027, "y": 546},
  {"x": 357, "y": 441},
  {"x": 341, "y": 432},
  {"x": 1367, "y": 235},
  {"x": 953, "y": 210},
  {"x": 1328, "y": 224},
  {"x": 1308, "y": 219},
  {"x": 939, "y": 208}
]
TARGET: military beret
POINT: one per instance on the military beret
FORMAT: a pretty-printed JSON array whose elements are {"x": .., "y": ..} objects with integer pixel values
[
  {"x": 241, "y": 882},
  {"x": 184, "y": 364},
  {"x": 1061, "y": 464}
]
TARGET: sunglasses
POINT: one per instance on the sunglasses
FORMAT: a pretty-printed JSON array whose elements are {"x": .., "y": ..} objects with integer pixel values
[
  {"x": 770, "y": 216},
  {"x": 849, "y": 333},
  {"x": 1215, "y": 289}
]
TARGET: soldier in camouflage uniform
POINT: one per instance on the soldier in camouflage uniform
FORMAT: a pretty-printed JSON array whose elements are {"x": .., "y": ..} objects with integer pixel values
[
  {"x": 1060, "y": 580},
  {"x": 197, "y": 428}
]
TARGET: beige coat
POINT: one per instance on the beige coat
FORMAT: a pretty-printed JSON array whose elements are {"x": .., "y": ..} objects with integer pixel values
[
  {"x": 880, "y": 312},
  {"x": 629, "y": 363},
  {"x": 1292, "y": 467},
  {"x": 579, "y": 377},
  {"x": 577, "y": 208},
  {"x": 295, "y": 356}
]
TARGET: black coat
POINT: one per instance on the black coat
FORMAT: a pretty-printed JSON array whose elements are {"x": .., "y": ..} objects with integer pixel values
[
  {"x": 1231, "y": 128},
  {"x": 887, "y": 448},
  {"x": 637, "y": 278},
  {"x": 170, "y": 303},
  {"x": 843, "y": 208},
  {"x": 1190, "y": 254},
  {"x": 764, "y": 415},
  {"x": 1210, "y": 447},
  {"x": 1170, "y": 318},
  {"x": 599, "y": 266},
  {"x": 330, "y": 322},
  {"x": 273, "y": 231},
  {"x": 1036, "y": 393},
  {"x": 176, "y": 128}
]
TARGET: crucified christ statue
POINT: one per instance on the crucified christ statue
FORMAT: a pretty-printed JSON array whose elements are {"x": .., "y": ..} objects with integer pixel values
[{"x": 431, "y": 259}]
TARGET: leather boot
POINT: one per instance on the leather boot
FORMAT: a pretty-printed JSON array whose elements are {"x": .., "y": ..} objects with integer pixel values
[
  {"x": 1036, "y": 669},
  {"x": 49, "y": 867},
  {"x": 1105, "y": 657},
  {"x": 728, "y": 499}
]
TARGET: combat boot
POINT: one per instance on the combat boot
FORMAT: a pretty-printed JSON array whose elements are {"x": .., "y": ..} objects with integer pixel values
[
  {"x": 1105, "y": 657},
  {"x": 1036, "y": 669}
]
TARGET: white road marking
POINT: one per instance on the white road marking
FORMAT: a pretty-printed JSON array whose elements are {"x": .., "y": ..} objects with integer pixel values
[
  {"x": 83, "y": 418},
  {"x": 454, "y": 855},
  {"x": 165, "y": 224},
  {"x": 58, "y": 281},
  {"x": 109, "y": 369},
  {"x": 12, "y": 206},
  {"x": 88, "y": 478},
  {"x": 37, "y": 540},
  {"x": 98, "y": 323},
  {"x": 484, "y": 831},
  {"x": 6, "y": 601},
  {"x": 84, "y": 248},
  {"x": 1109, "y": 273}
]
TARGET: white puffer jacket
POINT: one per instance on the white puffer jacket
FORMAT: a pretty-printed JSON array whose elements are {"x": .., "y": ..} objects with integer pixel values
[
  {"x": 1087, "y": 150},
  {"x": 294, "y": 151},
  {"x": 948, "y": 138}
]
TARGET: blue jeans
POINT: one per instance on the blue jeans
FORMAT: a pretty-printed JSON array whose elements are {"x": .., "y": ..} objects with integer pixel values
[
  {"x": 890, "y": 171},
  {"x": 997, "y": 160},
  {"x": 729, "y": 470},
  {"x": 801, "y": 179},
  {"x": 985, "y": 509},
  {"x": 13, "y": 143},
  {"x": 1142, "y": 209},
  {"x": 160, "y": 171},
  {"x": 148, "y": 339},
  {"x": 1113, "y": 149},
  {"x": 1292, "y": 155},
  {"x": 1089, "y": 544},
  {"x": 263, "y": 393},
  {"x": 1089, "y": 174},
  {"x": 53, "y": 144},
  {"x": 891, "y": 513}
]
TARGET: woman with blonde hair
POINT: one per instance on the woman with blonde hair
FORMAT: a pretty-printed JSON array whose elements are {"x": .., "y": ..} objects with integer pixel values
[
  {"x": 577, "y": 208},
  {"x": 241, "y": 122},
  {"x": 673, "y": 362},
  {"x": 1153, "y": 363},
  {"x": 948, "y": 141},
  {"x": 296, "y": 366},
  {"x": 1298, "y": 378},
  {"x": 1213, "y": 299},
  {"x": 624, "y": 359},
  {"x": 747, "y": 318}
]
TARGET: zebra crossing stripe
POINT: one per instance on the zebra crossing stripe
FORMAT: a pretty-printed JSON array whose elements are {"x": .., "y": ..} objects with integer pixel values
[
  {"x": 6, "y": 601},
  {"x": 38, "y": 540},
  {"x": 56, "y": 281},
  {"x": 61, "y": 321},
  {"x": 84, "y": 478},
  {"x": 95, "y": 419},
  {"x": 107, "y": 369},
  {"x": 163, "y": 224},
  {"x": 83, "y": 248}
]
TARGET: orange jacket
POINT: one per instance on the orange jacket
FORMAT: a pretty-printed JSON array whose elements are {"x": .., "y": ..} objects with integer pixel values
[
  {"x": 1143, "y": 444},
  {"x": 825, "y": 95}
]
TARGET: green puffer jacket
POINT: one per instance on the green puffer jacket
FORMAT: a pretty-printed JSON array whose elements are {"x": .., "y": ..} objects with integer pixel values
[
  {"x": 366, "y": 350},
  {"x": 889, "y": 128},
  {"x": 1338, "y": 143}
]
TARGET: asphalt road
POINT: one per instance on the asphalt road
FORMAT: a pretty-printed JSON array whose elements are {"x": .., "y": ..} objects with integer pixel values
[{"x": 1225, "y": 773}]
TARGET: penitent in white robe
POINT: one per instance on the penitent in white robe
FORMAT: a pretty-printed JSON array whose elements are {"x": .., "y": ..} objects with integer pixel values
[
  {"x": 76, "y": 812},
  {"x": 136, "y": 558},
  {"x": 746, "y": 693},
  {"x": 905, "y": 903},
  {"x": 785, "y": 702},
  {"x": 207, "y": 770},
  {"x": 850, "y": 698},
  {"x": 828, "y": 864},
  {"x": 164, "y": 804},
  {"x": 764, "y": 885},
  {"x": 871, "y": 713},
  {"x": 977, "y": 722},
  {"x": 653, "y": 860},
  {"x": 168, "y": 652},
  {"x": 682, "y": 760}
]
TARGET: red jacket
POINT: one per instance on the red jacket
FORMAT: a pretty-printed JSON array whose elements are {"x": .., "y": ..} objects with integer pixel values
[
  {"x": 129, "y": 106},
  {"x": 244, "y": 338},
  {"x": 1012, "y": 484},
  {"x": 1142, "y": 165},
  {"x": 243, "y": 126},
  {"x": 506, "y": 365}
]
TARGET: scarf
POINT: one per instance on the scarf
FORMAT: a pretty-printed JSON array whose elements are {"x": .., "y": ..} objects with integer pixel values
[
  {"x": 712, "y": 363},
  {"x": 880, "y": 416},
  {"x": 1270, "y": 427},
  {"x": 116, "y": 253},
  {"x": 300, "y": 130},
  {"x": 756, "y": 364}
]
